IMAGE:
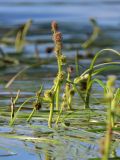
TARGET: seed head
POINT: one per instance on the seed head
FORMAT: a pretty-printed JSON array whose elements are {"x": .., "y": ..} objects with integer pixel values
[
  {"x": 110, "y": 87},
  {"x": 67, "y": 86},
  {"x": 70, "y": 69},
  {"x": 48, "y": 94},
  {"x": 63, "y": 59},
  {"x": 72, "y": 92},
  {"x": 83, "y": 85},
  {"x": 81, "y": 78},
  {"x": 58, "y": 49},
  {"x": 37, "y": 105},
  {"x": 61, "y": 76},
  {"x": 111, "y": 81},
  {"x": 64, "y": 105},
  {"x": 54, "y": 26},
  {"x": 57, "y": 37}
]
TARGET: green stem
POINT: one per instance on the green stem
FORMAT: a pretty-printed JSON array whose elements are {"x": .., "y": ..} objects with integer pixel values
[
  {"x": 100, "y": 65},
  {"x": 57, "y": 94},
  {"x": 69, "y": 103},
  {"x": 77, "y": 64},
  {"x": 59, "y": 65},
  {"x": 60, "y": 112},
  {"x": 57, "y": 97},
  {"x": 87, "y": 96},
  {"x": 15, "y": 116},
  {"x": 112, "y": 119},
  {"x": 30, "y": 116},
  {"x": 79, "y": 93},
  {"x": 108, "y": 136},
  {"x": 59, "y": 86},
  {"x": 51, "y": 114},
  {"x": 67, "y": 91}
]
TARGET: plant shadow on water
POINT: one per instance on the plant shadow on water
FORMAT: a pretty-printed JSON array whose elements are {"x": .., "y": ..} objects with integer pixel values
[{"x": 28, "y": 68}]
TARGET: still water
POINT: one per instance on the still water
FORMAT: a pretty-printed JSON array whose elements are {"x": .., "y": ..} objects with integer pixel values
[
  {"x": 36, "y": 141},
  {"x": 65, "y": 11}
]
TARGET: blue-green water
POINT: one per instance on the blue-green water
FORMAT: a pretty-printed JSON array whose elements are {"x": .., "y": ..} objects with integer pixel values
[
  {"x": 35, "y": 141},
  {"x": 77, "y": 11}
]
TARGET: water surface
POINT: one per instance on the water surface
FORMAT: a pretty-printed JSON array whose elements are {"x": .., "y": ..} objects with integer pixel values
[{"x": 35, "y": 140}]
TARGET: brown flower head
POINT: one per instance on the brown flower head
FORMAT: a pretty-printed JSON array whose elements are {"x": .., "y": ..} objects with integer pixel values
[
  {"x": 54, "y": 26},
  {"x": 38, "y": 105},
  {"x": 57, "y": 37},
  {"x": 70, "y": 69}
]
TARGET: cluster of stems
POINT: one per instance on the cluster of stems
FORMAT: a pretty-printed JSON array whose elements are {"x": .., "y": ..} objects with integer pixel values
[
  {"x": 52, "y": 96},
  {"x": 69, "y": 89},
  {"x": 13, "y": 103},
  {"x": 37, "y": 104},
  {"x": 57, "y": 38}
]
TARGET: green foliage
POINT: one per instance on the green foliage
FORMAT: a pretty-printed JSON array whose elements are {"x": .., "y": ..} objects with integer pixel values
[{"x": 21, "y": 35}]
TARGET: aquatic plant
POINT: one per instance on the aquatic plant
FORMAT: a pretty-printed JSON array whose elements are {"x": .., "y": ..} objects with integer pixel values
[
  {"x": 18, "y": 110},
  {"x": 94, "y": 36},
  {"x": 6, "y": 59},
  {"x": 13, "y": 102},
  {"x": 37, "y": 104},
  {"x": 91, "y": 69},
  {"x": 77, "y": 64},
  {"x": 61, "y": 59},
  {"x": 109, "y": 94},
  {"x": 21, "y": 35},
  {"x": 80, "y": 83}
]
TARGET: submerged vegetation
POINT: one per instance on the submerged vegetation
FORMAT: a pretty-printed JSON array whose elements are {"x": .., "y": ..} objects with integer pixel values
[{"x": 70, "y": 82}]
